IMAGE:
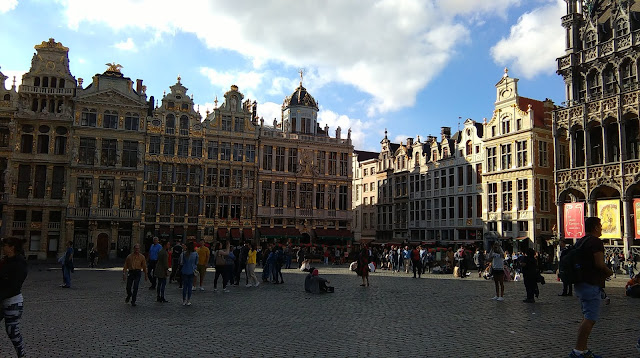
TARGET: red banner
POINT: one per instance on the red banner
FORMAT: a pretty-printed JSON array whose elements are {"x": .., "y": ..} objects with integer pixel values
[
  {"x": 636, "y": 212},
  {"x": 573, "y": 220}
]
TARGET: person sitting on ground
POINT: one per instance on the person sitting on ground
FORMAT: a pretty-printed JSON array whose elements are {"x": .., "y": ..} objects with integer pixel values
[
  {"x": 316, "y": 284},
  {"x": 632, "y": 288}
]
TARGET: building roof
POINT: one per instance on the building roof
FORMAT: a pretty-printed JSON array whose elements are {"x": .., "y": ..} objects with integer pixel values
[
  {"x": 300, "y": 97},
  {"x": 364, "y": 155},
  {"x": 538, "y": 110}
]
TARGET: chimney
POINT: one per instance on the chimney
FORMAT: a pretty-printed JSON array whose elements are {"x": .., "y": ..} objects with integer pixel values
[
  {"x": 445, "y": 131},
  {"x": 409, "y": 142},
  {"x": 139, "y": 86}
]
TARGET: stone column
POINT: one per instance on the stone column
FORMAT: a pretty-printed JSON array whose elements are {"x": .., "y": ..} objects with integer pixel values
[{"x": 113, "y": 239}]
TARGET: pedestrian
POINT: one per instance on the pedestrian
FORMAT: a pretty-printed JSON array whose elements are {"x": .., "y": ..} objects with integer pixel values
[
  {"x": 496, "y": 255},
  {"x": 478, "y": 260},
  {"x": 252, "y": 280},
  {"x": 278, "y": 265},
  {"x": 271, "y": 262},
  {"x": 203, "y": 262},
  {"x": 67, "y": 265},
  {"x": 594, "y": 273},
  {"x": 176, "y": 252},
  {"x": 229, "y": 264},
  {"x": 530, "y": 273},
  {"x": 567, "y": 287},
  {"x": 406, "y": 258},
  {"x": 13, "y": 272},
  {"x": 300, "y": 256},
  {"x": 93, "y": 257},
  {"x": 630, "y": 265},
  {"x": 363, "y": 266},
  {"x": 395, "y": 259},
  {"x": 459, "y": 257},
  {"x": 415, "y": 261},
  {"x": 162, "y": 271},
  {"x": 337, "y": 256},
  {"x": 189, "y": 266},
  {"x": 614, "y": 264},
  {"x": 220, "y": 263},
  {"x": 287, "y": 257},
  {"x": 326, "y": 256},
  {"x": 134, "y": 265},
  {"x": 153, "y": 259},
  {"x": 266, "y": 269}
]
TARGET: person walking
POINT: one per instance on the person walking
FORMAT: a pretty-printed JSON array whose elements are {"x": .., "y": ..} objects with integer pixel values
[
  {"x": 176, "y": 252},
  {"x": 134, "y": 265},
  {"x": 242, "y": 264},
  {"x": 406, "y": 257},
  {"x": 189, "y": 266},
  {"x": 13, "y": 272},
  {"x": 219, "y": 260},
  {"x": 153, "y": 259},
  {"x": 252, "y": 280},
  {"x": 67, "y": 265},
  {"x": 416, "y": 262},
  {"x": 594, "y": 273},
  {"x": 478, "y": 260},
  {"x": 203, "y": 262},
  {"x": 161, "y": 271},
  {"x": 567, "y": 287},
  {"x": 363, "y": 266},
  {"x": 530, "y": 272},
  {"x": 496, "y": 255}
]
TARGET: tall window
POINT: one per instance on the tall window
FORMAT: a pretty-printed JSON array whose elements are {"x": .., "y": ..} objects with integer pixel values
[
  {"x": 225, "y": 177},
  {"x": 523, "y": 194},
  {"x": 194, "y": 178},
  {"x": 196, "y": 148},
  {"x": 212, "y": 177},
  {"x": 543, "y": 154},
  {"x": 105, "y": 193},
  {"x": 266, "y": 193},
  {"x": 88, "y": 117},
  {"x": 332, "y": 197},
  {"x": 210, "y": 207},
  {"x": 521, "y": 153},
  {"x": 131, "y": 121},
  {"x": 165, "y": 205},
  {"x": 280, "y": 159},
  {"x": 292, "y": 166},
  {"x": 43, "y": 144},
  {"x": 40, "y": 181},
  {"x": 179, "y": 207},
  {"x": 154, "y": 145},
  {"x": 127, "y": 193},
  {"x": 57, "y": 182},
  {"x": 267, "y": 158},
  {"x": 505, "y": 150},
  {"x": 237, "y": 178},
  {"x": 212, "y": 150},
  {"x": 109, "y": 152},
  {"x": 320, "y": 191},
  {"x": 250, "y": 153},
  {"x": 491, "y": 159},
  {"x": 151, "y": 206},
  {"x": 507, "y": 195},
  {"x": 239, "y": 124},
  {"x": 306, "y": 192},
  {"x": 181, "y": 177},
  {"x": 249, "y": 178},
  {"x": 237, "y": 152},
  {"x": 183, "y": 147},
  {"x": 344, "y": 164},
  {"x": 342, "y": 198},
  {"x": 169, "y": 146},
  {"x": 184, "y": 125},
  {"x": 225, "y": 151},
  {"x": 506, "y": 125},
  {"x": 110, "y": 120},
  {"x": 24, "y": 180},
  {"x": 170, "y": 124},
  {"x": 87, "y": 151},
  {"x": 492, "y": 190},
  {"x": 26, "y": 143},
  {"x": 469, "y": 174},
  {"x": 321, "y": 161},
  {"x": 226, "y": 123},
  {"x": 83, "y": 191},
  {"x": 333, "y": 163},
  {"x": 152, "y": 175},
  {"x": 129, "y": 154},
  {"x": 278, "y": 194},
  {"x": 544, "y": 194},
  {"x": 60, "y": 145},
  {"x": 166, "y": 177},
  {"x": 235, "y": 207}
]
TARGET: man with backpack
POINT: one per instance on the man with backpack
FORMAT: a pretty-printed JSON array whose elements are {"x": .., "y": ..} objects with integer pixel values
[
  {"x": 567, "y": 288},
  {"x": 590, "y": 272}
]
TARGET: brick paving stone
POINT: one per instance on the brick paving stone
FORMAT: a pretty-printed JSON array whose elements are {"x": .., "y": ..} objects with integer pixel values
[{"x": 435, "y": 316}]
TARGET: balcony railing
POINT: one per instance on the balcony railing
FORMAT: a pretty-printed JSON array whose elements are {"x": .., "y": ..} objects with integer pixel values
[
  {"x": 19, "y": 224},
  {"x": 46, "y": 90}
]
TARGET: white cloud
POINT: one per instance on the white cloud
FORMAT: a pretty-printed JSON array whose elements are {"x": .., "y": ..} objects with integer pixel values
[
  {"x": 7, "y": 5},
  {"x": 126, "y": 45},
  {"x": 247, "y": 82},
  {"x": 534, "y": 42},
  {"x": 359, "y": 129},
  {"x": 390, "y": 50},
  {"x": 10, "y": 74},
  {"x": 269, "y": 111}
]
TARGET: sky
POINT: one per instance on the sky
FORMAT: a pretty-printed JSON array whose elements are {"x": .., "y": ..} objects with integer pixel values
[{"x": 410, "y": 67}]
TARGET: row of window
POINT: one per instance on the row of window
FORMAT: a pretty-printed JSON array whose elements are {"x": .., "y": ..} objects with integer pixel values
[
  {"x": 522, "y": 193},
  {"x": 280, "y": 194},
  {"x": 106, "y": 190},
  {"x": 36, "y": 179},
  {"x": 109, "y": 155},
  {"x": 164, "y": 176},
  {"x": 45, "y": 81},
  {"x": 109, "y": 119},
  {"x": 445, "y": 208}
]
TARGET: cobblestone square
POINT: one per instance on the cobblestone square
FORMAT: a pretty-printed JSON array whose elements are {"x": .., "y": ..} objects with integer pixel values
[{"x": 436, "y": 316}]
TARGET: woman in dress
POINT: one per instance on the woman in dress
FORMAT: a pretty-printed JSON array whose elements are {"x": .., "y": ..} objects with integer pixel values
[
  {"x": 189, "y": 264},
  {"x": 363, "y": 266},
  {"x": 13, "y": 271}
]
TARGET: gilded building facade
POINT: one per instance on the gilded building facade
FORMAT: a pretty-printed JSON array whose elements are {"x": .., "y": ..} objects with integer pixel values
[
  {"x": 597, "y": 130},
  {"x": 304, "y": 177},
  {"x": 517, "y": 181}
]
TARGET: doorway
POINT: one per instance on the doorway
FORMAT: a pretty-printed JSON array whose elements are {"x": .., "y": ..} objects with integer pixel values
[{"x": 103, "y": 246}]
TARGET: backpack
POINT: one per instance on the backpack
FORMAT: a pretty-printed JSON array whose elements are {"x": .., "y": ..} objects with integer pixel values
[{"x": 573, "y": 262}]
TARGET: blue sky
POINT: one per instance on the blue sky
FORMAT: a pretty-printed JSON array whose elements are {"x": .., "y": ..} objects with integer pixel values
[{"x": 410, "y": 66}]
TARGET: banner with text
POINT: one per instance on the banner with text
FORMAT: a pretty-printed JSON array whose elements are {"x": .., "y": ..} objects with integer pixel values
[
  {"x": 609, "y": 214},
  {"x": 636, "y": 212},
  {"x": 573, "y": 220}
]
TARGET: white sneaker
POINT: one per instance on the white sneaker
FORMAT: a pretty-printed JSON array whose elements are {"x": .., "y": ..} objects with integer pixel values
[
  {"x": 201, "y": 288},
  {"x": 495, "y": 298},
  {"x": 248, "y": 285},
  {"x": 184, "y": 302},
  {"x": 188, "y": 303},
  {"x": 226, "y": 290},
  {"x": 215, "y": 290},
  {"x": 500, "y": 299},
  {"x": 257, "y": 284}
]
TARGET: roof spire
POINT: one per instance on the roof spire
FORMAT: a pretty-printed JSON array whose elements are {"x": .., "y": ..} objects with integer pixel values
[
  {"x": 385, "y": 133},
  {"x": 179, "y": 78},
  {"x": 301, "y": 72},
  {"x": 506, "y": 72},
  {"x": 216, "y": 102}
]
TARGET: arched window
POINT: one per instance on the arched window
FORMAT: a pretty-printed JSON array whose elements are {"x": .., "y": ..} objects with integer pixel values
[
  {"x": 184, "y": 125},
  {"x": 170, "y": 124},
  {"x": 468, "y": 148},
  {"x": 445, "y": 152},
  {"x": 7, "y": 97},
  {"x": 594, "y": 84},
  {"x": 622, "y": 27},
  {"x": 131, "y": 121},
  {"x": 610, "y": 83},
  {"x": 628, "y": 73},
  {"x": 185, "y": 106}
]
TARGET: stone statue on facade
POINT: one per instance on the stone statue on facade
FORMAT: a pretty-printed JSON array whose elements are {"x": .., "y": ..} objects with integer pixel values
[{"x": 338, "y": 132}]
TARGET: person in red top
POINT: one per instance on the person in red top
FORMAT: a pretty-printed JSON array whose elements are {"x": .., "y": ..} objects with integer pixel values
[
  {"x": 326, "y": 256},
  {"x": 416, "y": 262}
]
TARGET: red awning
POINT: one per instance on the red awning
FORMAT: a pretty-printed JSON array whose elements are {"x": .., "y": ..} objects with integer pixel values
[
  {"x": 235, "y": 233},
  {"x": 222, "y": 233},
  {"x": 247, "y": 233}
]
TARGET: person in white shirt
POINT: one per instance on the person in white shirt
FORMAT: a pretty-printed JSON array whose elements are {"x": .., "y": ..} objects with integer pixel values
[{"x": 496, "y": 255}]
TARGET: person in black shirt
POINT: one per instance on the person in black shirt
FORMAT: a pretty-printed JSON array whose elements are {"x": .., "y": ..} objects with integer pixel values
[
  {"x": 175, "y": 261},
  {"x": 13, "y": 272}
]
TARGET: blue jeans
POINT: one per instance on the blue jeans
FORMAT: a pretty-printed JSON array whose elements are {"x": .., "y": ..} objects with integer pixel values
[
  {"x": 162, "y": 284},
  {"x": 266, "y": 270},
  {"x": 66, "y": 275},
  {"x": 590, "y": 298},
  {"x": 187, "y": 286},
  {"x": 133, "y": 281},
  {"x": 288, "y": 261}
]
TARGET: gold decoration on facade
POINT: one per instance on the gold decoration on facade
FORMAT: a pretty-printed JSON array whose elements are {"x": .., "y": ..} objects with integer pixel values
[
  {"x": 113, "y": 67},
  {"x": 51, "y": 44}
]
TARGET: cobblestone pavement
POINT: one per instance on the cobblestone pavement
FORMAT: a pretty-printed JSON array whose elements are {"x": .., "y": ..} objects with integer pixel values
[{"x": 398, "y": 316}]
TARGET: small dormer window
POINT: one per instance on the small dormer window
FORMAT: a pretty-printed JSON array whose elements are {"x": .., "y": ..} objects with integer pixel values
[
  {"x": 434, "y": 155},
  {"x": 445, "y": 153},
  {"x": 506, "y": 125}
]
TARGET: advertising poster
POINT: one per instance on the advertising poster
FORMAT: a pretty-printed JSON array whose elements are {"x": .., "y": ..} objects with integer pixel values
[
  {"x": 573, "y": 220},
  {"x": 636, "y": 212},
  {"x": 609, "y": 214}
]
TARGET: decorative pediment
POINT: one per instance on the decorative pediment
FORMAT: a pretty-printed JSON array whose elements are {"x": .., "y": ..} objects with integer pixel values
[{"x": 111, "y": 97}]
